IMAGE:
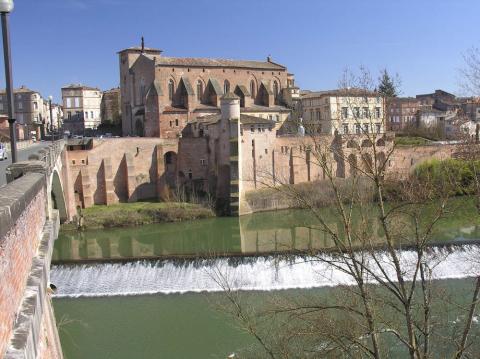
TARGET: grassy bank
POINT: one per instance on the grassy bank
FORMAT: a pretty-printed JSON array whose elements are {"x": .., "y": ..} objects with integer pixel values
[
  {"x": 411, "y": 141},
  {"x": 139, "y": 213}
]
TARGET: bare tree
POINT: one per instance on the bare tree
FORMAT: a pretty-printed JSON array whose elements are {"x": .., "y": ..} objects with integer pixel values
[
  {"x": 394, "y": 306},
  {"x": 470, "y": 73}
]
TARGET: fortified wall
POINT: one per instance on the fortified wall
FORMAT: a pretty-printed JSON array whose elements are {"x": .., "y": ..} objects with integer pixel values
[
  {"x": 119, "y": 169},
  {"x": 132, "y": 169},
  {"x": 28, "y": 228}
]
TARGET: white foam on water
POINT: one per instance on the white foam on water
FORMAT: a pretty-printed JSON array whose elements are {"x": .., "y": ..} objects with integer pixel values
[{"x": 256, "y": 274}]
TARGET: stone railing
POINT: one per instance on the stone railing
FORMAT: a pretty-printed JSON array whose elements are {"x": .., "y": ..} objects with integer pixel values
[{"x": 43, "y": 161}]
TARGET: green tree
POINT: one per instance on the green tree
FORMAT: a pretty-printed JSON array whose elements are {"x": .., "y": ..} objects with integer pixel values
[{"x": 388, "y": 85}]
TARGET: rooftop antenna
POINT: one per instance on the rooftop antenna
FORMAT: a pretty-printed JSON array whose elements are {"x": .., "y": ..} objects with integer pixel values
[{"x": 143, "y": 44}]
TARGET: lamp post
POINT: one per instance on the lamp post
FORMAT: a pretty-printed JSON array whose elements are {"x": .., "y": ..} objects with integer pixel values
[
  {"x": 6, "y": 6},
  {"x": 51, "y": 116}
]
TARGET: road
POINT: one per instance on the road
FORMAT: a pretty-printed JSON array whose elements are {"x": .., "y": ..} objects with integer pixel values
[{"x": 22, "y": 156}]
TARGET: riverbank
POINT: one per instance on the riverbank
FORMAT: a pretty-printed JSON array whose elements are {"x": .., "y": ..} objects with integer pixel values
[{"x": 137, "y": 214}]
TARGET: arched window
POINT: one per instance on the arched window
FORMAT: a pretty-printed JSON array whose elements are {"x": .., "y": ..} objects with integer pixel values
[
  {"x": 252, "y": 88},
  {"x": 226, "y": 86},
  {"x": 275, "y": 88},
  {"x": 171, "y": 89},
  {"x": 199, "y": 90}
]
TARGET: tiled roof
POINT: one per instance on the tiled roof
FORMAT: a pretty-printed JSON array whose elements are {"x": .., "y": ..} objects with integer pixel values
[
  {"x": 155, "y": 88},
  {"x": 243, "y": 90},
  {"x": 247, "y": 120},
  {"x": 139, "y": 49},
  {"x": 22, "y": 89},
  {"x": 80, "y": 86},
  {"x": 258, "y": 108},
  {"x": 188, "y": 86},
  {"x": 230, "y": 96},
  {"x": 174, "y": 109},
  {"x": 206, "y": 62},
  {"x": 339, "y": 92}
]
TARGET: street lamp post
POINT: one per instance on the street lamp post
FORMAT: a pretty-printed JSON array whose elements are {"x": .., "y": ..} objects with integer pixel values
[
  {"x": 6, "y": 6},
  {"x": 51, "y": 116}
]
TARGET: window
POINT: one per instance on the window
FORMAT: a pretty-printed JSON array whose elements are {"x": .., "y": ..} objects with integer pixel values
[
  {"x": 311, "y": 115},
  {"x": 275, "y": 88},
  {"x": 252, "y": 129},
  {"x": 345, "y": 128},
  {"x": 199, "y": 90},
  {"x": 252, "y": 88},
  {"x": 69, "y": 102},
  {"x": 377, "y": 112},
  {"x": 86, "y": 114},
  {"x": 171, "y": 124},
  {"x": 69, "y": 115},
  {"x": 318, "y": 115},
  {"x": 357, "y": 112},
  {"x": 366, "y": 112},
  {"x": 35, "y": 106},
  {"x": 226, "y": 86},
  {"x": 176, "y": 122},
  {"x": 378, "y": 127},
  {"x": 77, "y": 101},
  {"x": 277, "y": 118},
  {"x": 91, "y": 115},
  {"x": 344, "y": 112},
  {"x": 20, "y": 118},
  {"x": 20, "y": 105},
  {"x": 203, "y": 162},
  {"x": 365, "y": 127},
  {"x": 358, "y": 129},
  {"x": 171, "y": 89}
]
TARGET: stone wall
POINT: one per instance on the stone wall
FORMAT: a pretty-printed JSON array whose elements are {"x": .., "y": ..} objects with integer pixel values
[
  {"x": 118, "y": 170},
  {"x": 27, "y": 324}
]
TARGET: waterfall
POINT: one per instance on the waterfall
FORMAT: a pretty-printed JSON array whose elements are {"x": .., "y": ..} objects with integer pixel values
[{"x": 245, "y": 273}]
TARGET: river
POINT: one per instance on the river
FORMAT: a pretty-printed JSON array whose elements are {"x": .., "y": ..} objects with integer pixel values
[{"x": 153, "y": 291}]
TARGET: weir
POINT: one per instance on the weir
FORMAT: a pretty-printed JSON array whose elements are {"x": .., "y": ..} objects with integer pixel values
[{"x": 243, "y": 273}]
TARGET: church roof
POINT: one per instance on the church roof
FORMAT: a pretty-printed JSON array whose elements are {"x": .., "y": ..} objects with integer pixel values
[
  {"x": 243, "y": 90},
  {"x": 207, "y": 62},
  {"x": 155, "y": 88},
  {"x": 188, "y": 86},
  {"x": 216, "y": 86}
]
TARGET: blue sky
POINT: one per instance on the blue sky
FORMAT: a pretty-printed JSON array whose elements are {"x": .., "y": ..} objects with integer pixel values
[{"x": 57, "y": 42}]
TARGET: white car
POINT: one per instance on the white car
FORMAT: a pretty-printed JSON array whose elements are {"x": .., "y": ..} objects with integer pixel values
[{"x": 3, "y": 152}]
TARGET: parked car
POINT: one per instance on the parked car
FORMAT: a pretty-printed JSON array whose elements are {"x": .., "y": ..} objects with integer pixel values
[{"x": 3, "y": 152}]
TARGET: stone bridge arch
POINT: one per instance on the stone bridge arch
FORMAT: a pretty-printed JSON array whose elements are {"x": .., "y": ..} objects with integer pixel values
[{"x": 58, "y": 197}]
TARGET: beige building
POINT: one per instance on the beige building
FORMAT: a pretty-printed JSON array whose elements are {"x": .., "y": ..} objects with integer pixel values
[
  {"x": 81, "y": 104},
  {"x": 29, "y": 112},
  {"x": 343, "y": 111},
  {"x": 57, "y": 116}
]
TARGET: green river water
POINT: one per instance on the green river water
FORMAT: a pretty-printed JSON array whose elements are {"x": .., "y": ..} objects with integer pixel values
[{"x": 189, "y": 325}]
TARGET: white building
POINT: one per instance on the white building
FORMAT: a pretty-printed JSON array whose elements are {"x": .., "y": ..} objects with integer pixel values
[
  {"x": 82, "y": 104},
  {"x": 343, "y": 111}
]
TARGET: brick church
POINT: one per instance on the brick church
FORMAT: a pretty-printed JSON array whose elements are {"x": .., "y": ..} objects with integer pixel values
[{"x": 161, "y": 95}]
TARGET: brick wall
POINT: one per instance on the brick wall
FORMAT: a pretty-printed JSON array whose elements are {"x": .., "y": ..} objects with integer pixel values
[{"x": 27, "y": 325}]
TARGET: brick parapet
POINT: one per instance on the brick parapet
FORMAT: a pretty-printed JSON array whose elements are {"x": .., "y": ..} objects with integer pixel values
[{"x": 26, "y": 244}]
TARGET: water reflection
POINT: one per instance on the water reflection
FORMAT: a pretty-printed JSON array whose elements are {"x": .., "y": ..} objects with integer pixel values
[{"x": 291, "y": 230}]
